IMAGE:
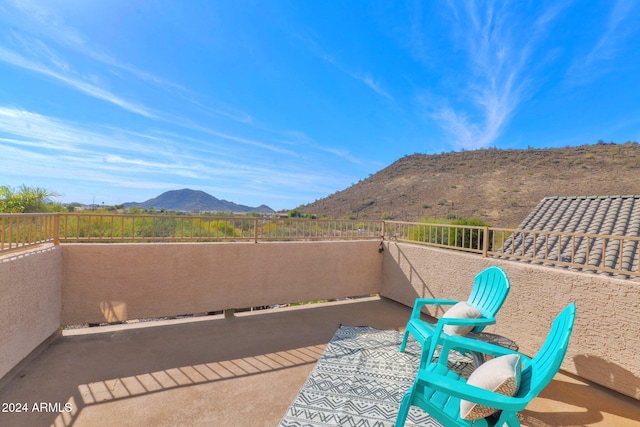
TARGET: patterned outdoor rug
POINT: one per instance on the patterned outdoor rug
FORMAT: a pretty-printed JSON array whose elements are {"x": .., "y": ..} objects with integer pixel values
[{"x": 360, "y": 380}]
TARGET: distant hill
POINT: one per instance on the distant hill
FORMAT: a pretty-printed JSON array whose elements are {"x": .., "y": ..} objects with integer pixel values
[
  {"x": 500, "y": 187},
  {"x": 195, "y": 201}
]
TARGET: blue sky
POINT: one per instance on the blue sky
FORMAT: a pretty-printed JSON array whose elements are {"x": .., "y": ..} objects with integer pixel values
[{"x": 285, "y": 102}]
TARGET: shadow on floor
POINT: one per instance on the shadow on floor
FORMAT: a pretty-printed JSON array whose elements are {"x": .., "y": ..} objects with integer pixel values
[{"x": 117, "y": 369}]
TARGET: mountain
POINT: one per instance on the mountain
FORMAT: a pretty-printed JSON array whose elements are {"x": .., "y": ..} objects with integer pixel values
[
  {"x": 499, "y": 187},
  {"x": 195, "y": 201}
]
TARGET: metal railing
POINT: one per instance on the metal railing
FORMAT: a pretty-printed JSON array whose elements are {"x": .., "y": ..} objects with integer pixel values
[
  {"x": 183, "y": 228},
  {"x": 21, "y": 230},
  {"x": 591, "y": 252},
  {"x": 462, "y": 237},
  {"x": 584, "y": 251}
]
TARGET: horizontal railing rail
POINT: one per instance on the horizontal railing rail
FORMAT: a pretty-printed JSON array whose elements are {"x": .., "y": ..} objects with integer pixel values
[{"x": 592, "y": 252}]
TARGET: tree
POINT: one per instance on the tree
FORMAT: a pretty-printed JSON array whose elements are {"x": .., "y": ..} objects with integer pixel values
[
  {"x": 27, "y": 199},
  {"x": 296, "y": 213}
]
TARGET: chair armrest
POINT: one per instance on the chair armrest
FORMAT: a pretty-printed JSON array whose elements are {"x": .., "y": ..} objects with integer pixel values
[
  {"x": 468, "y": 392},
  {"x": 421, "y": 302},
  {"x": 471, "y": 344},
  {"x": 439, "y": 336},
  {"x": 467, "y": 321}
]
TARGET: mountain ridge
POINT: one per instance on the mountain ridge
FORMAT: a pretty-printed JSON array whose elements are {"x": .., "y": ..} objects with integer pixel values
[
  {"x": 188, "y": 200},
  {"x": 497, "y": 186}
]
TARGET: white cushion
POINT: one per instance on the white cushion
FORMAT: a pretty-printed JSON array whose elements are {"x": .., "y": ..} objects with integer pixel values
[
  {"x": 501, "y": 375},
  {"x": 460, "y": 310}
]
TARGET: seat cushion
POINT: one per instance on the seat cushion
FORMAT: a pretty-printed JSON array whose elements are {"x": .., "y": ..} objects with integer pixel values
[
  {"x": 501, "y": 375},
  {"x": 460, "y": 310}
]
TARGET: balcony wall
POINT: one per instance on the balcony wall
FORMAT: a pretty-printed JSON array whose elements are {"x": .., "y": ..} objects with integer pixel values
[
  {"x": 30, "y": 290},
  {"x": 605, "y": 342},
  {"x": 91, "y": 283},
  {"x": 113, "y": 282}
]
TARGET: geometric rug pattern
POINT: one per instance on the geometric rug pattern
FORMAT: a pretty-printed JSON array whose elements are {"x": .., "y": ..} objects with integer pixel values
[{"x": 360, "y": 380}]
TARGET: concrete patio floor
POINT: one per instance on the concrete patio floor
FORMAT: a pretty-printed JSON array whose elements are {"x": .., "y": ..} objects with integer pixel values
[{"x": 240, "y": 371}]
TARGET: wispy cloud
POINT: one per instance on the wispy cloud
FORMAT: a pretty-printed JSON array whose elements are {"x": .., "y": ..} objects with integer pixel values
[
  {"x": 34, "y": 54},
  {"x": 366, "y": 78},
  {"x": 374, "y": 84},
  {"x": 417, "y": 40},
  {"x": 60, "y": 139},
  {"x": 185, "y": 123},
  {"x": 36, "y": 145},
  {"x": 42, "y": 19},
  {"x": 497, "y": 45},
  {"x": 621, "y": 23},
  {"x": 43, "y": 22},
  {"x": 61, "y": 73},
  {"x": 103, "y": 149},
  {"x": 52, "y": 66},
  {"x": 307, "y": 147},
  {"x": 46, "y": 62}
]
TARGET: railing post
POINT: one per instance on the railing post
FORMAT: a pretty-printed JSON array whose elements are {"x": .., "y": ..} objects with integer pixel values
[
  {"x": 2, "y": 235},
  {"x": 485, "y": 243},
  {"x": 384, "y": 223},
  {"x": 56, "y": 229},
  {"x": 255, "y": 230}
]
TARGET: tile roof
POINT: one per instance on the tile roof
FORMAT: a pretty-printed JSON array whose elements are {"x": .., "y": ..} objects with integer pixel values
[
  {"x": 617, "y": 215},
  {"x": 608, "y": 215}
]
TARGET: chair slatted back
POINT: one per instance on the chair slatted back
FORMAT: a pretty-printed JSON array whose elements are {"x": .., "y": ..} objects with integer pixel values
[
  {"x": 489, "y": 291},
  {"x": 546, "y": 363}
]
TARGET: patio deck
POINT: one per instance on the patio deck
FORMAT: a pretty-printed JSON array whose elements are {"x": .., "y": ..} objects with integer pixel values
[{"x": 240, "y": 371}]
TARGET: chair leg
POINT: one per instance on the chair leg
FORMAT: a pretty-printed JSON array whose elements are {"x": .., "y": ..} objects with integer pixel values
[
  {"x": 423, "y": 359},
  {"x": 509, "y": 419},
  {"x": 404, "y": 408},
  {"x": 405, "y": 337}
]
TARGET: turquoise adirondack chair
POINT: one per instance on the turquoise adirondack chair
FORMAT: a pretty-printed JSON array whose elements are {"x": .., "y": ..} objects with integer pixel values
[
  {"x": 490, "y": 289},
  {"x": 438, "y": 390}
]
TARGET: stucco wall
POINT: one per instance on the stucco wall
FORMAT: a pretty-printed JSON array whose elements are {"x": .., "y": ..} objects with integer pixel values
[
  {"x": 30, "y": 286},
  {"x": 605, "y": 345},
  {"x": 109, "y": 282},
  {"x": 45, "y": 287}
]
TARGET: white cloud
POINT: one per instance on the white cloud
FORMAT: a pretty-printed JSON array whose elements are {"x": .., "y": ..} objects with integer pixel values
[
  {"x": 20, "y": 61},
  {"x": 497, "y": 44},
  {"x": 365, "y": 78},
  {"x": 621, "y": 23},
  {"x": 43, "y": 22},
  {"x": 34, "y": 145},
  {"x": 375, "y": 85}
]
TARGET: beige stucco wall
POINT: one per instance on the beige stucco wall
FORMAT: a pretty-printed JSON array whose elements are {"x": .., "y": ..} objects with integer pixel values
[
  {"x": 109, "y": 282},
  {"x": 605, "y": 345},
  {"x": 30, "y": 303},
  {"x": 47, "y": 286}
]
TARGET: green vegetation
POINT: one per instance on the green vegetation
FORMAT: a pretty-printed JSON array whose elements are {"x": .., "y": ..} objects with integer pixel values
[
  {"x": 141, "y": 227},
  {"x": 449, "y": 233},
  {"x": 297, "y": 213},
  {"x": 27, "y": 200}
]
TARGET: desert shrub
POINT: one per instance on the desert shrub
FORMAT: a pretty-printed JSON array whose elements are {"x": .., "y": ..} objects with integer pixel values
[{"x": 449, "y": 232}]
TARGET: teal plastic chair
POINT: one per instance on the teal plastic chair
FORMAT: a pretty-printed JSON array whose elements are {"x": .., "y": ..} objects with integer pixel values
[
  {"x": 490, "y": 289},
  {"x": 438, "y": 390}
]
